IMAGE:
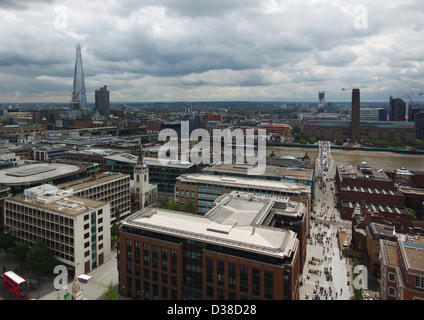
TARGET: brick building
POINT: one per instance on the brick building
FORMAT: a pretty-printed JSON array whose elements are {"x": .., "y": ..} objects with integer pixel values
[
  {"x": 225, "y": 254},
  {"x": 402, "y": 268}
]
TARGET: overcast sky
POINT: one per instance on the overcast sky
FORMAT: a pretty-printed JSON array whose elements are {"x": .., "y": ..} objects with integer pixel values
[{"x": 198, "y": 50}]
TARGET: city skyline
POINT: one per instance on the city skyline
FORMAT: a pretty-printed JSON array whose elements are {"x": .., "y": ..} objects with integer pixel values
[{"x": 217, "y": 51}]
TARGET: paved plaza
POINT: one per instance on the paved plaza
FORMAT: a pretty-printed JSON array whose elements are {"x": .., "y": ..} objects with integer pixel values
[
  {"x": 325, "y": 273},
  {"x": 102, "y": 276}
]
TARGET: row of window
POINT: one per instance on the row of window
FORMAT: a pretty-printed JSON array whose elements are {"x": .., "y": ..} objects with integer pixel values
[
  {"x": 150, "y": 291},
  {"x": 152, "y": 255},
  {"x": 227, "y": 273},
  {"x": 24, "y": 212}
]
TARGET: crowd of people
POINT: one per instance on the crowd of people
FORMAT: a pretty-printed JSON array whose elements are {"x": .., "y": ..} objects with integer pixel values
[{"x": 323, "y": 234}]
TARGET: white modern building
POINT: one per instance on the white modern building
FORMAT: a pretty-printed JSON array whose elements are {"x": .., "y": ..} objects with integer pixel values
[{"x": 75, "y": 229}]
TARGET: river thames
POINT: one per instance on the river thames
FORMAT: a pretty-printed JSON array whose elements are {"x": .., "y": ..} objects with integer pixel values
[{"x": 375, "y": 159}]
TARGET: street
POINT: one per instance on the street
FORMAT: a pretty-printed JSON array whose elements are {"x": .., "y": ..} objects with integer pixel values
[{"x": 325, "y": 273}]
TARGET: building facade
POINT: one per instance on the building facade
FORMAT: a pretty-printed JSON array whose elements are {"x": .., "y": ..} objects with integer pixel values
[
  {"x": 402, "y": 268},
  {"x": 76, "y": 230},
  {"x": 110, "y": 187},
  {"x": 171, "y": 255},
  {"x": 101, "y": 97},
  {"x": 144, "y": 193},
  {"x": 203, "y": 189}
]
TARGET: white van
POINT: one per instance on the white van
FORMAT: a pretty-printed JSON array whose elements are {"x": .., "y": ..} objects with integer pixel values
[{"x": 84, "y": 278}]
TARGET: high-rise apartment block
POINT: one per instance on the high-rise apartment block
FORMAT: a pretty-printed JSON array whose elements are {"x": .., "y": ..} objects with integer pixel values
[
  {"x": 397, "y": 109},
  {"x": 102, "y": 104}
]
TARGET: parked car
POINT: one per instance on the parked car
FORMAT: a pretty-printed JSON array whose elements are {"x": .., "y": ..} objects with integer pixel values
[{"x": 345, "y": 244}]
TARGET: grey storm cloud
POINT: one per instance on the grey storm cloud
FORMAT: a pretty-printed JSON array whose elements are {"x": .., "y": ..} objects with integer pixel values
[{"x": 203, "y": 50}]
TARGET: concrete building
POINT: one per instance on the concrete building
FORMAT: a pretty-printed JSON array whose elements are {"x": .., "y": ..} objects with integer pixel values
[
  {"x": 48, "y": 153},
  {"x": 34, "y": 174},
  {"x": 225, "y": 254},
  {"x": 294, "y": 174},
  {"x": 93, "y": 155},
  {"x": 76, "y": 230},
  {"x": 164, "y": 175},
  {"x": 204, "y": 189},
  {"x": 110, "y": 187},
  {"x": 397, "y": 109},
  {"x": 102, "y": 105}
]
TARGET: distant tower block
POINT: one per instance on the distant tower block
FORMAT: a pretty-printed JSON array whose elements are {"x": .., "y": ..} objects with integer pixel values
[
  {"x": 355, "y": 122},
  {"x": 321, "y": 97},
  {"x": 79, "y": 98},
  {"x": 102, "y": 104}
]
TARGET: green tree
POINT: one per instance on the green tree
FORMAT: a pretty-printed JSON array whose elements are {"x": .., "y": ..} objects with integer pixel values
[
  {"x": 296, "y": 130},
  {"x": 189, "y": 206},
  {"x": 114, "y": 235},
  {"x": 40, "y": 259},
  {"x": 19, "y": 253},
  {"x": 117, "y": 215},
  {"x": 172, "y": 205},
  {"x": 7, "y": 241},
  {"x": 111, "y": 293},
  {"x": 163, "y": 202},
  {"x": 412, "y": 212},
  {"x": 338, "y": 140}
]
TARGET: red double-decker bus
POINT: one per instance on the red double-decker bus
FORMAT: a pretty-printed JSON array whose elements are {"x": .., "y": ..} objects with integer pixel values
[{"x": 15, "y": 284}]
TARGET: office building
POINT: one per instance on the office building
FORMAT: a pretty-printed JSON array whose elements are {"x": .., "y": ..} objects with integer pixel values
[
  {"x": 34, "y": 174},
  {"x": 92, "y": 155},
  {"x": 164, "y": 175},
  {"x": 397, "y": 109},
  {"x": 203, "y": 189},
  {"x": 294, "y": 173},
  {"x": 419, "y": 123},
  {"x": 48, "y": 153},
  {"x": 76, "y": 230},
  {"x": 109, "y": 187},
  {"x": 226, "y": 254},
  {"x": 102, "y": 105},
  {"x": 79, "y": 98}
]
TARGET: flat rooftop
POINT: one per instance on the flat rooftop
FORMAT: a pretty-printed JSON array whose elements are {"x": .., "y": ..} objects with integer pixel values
[
  {"x": 413, "y": 250},
  {"x": 228, "y": 226},
  {"x": 129, "y": 158},
  {"x": 71, "y": 205},
  {"x": 362, "y": 171},
  {"x": 84, "y": 183},
  {"x": 275, "y": 172},
  {"x": 245, "y": 182},
  {"x": 37, "y": 173},
  {"x": 377, "y": 191}
]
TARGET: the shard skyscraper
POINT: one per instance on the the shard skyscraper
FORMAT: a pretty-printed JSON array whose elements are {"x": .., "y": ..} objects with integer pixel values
[{"x": 79, "y": 98}]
